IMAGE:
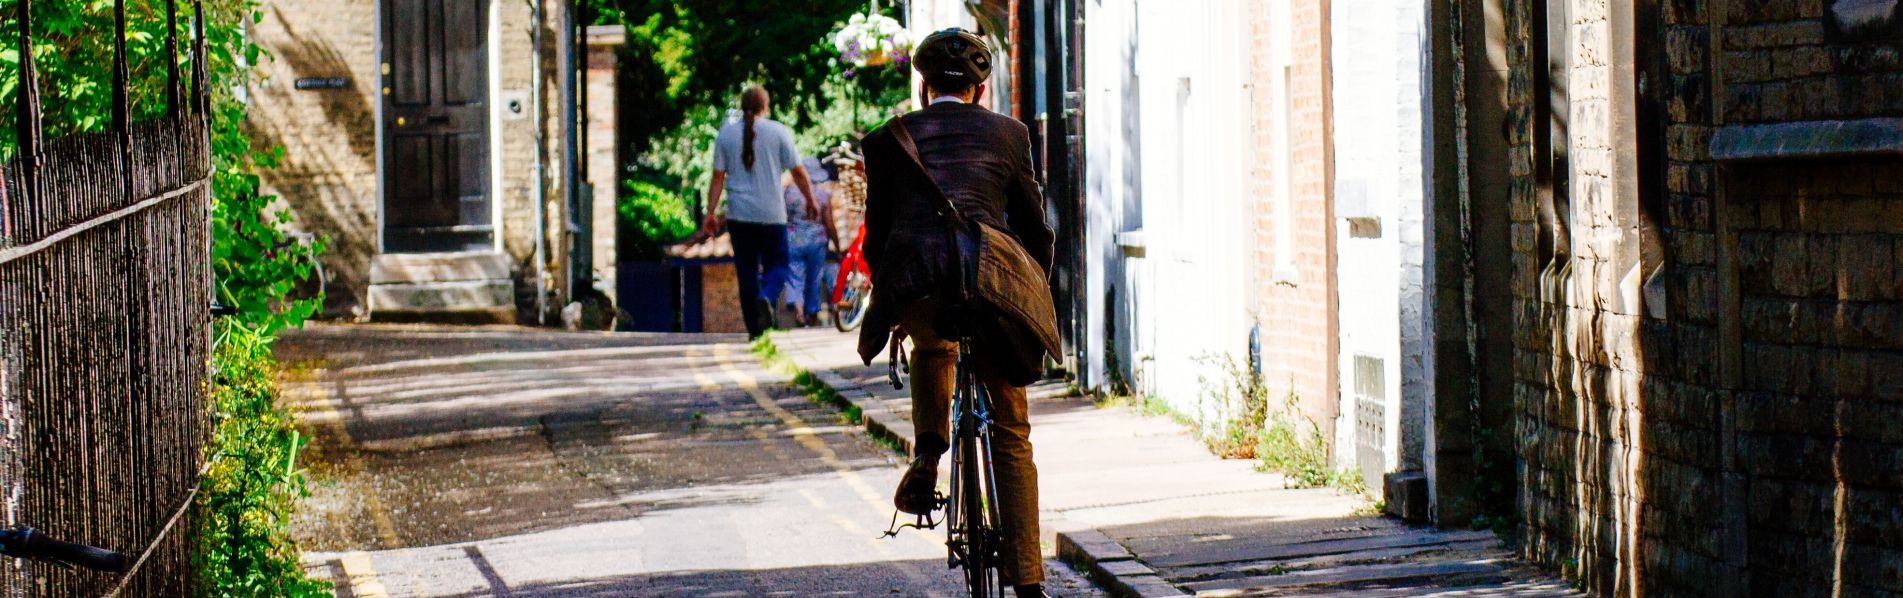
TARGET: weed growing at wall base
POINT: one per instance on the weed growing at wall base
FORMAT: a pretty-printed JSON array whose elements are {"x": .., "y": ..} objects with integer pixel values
[{"x": 252, "y": 480}]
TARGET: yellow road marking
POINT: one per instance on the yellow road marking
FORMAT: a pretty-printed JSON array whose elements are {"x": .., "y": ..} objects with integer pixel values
[
  {"x": 358, "y": 573},
  {"x": 804, "y": 434},
  {"x": 333, "y": 423},
  {"x": 361, "y": 576},
  {"x": 796, "y": 427}
]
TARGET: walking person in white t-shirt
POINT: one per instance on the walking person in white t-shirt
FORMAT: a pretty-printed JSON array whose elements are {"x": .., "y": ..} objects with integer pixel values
[{"x": 749, "y": 156}]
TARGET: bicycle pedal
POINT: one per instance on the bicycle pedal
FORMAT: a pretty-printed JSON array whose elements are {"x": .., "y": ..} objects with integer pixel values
[{"x": 920, "y": 522}]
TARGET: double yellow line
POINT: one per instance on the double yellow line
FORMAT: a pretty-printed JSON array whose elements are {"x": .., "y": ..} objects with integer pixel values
[{"x": 361, "y": 576}]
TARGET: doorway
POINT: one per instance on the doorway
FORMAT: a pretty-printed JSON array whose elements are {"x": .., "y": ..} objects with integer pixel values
[{"x": 435, "y": 123}]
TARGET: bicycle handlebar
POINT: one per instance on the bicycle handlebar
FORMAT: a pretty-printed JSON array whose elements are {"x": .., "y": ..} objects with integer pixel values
[{"x": 28, "y": 543}]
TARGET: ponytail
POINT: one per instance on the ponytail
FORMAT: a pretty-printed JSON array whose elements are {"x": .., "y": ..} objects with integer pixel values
[
  {"x": 746, "y": 145},
  {"x": 753, "y": 103}
]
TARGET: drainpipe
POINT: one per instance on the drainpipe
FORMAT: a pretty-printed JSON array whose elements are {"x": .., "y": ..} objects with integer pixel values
[
  {"x": 576, "y": 221},
  {"x": 541, "y": 162}
]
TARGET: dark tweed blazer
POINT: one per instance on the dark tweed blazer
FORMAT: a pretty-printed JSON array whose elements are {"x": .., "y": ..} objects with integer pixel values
[{"x": 983, "y": 162}]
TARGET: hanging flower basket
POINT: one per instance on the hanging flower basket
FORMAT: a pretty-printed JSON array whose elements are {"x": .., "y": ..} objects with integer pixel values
[{"x": 871, "y": 39}]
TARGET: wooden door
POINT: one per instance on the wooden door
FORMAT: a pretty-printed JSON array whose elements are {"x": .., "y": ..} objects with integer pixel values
[{"x": 435, "y": 126}]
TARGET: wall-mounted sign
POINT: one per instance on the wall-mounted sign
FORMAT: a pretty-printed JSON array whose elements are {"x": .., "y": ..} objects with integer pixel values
[{"x": 323, "y": 83}]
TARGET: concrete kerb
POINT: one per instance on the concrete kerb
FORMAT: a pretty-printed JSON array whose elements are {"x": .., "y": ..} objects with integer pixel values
[
  {"x": 1112, "y": 566},
  {"x": 878, "y": 421}
]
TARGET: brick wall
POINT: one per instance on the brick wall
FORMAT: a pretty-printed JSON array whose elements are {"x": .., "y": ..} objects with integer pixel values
[
  {"x": 604, "y": 168},
  {"x": 1706, "y": 378},
  {"x": 720, "y": 299},
  {"x": 328, "y": 179},
  {"x": 1295, "y": 306}
]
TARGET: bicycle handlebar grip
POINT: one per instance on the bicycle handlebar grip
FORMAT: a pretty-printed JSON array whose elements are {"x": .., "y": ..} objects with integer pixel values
[{"x": 39, "y": 545}]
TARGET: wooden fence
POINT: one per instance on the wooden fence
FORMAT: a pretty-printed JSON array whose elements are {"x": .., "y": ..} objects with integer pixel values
[{"x": 105, "y": 286}]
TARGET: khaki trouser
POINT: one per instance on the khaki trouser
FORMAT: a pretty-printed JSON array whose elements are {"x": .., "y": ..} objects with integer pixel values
[{"x": 934, "y": 362}]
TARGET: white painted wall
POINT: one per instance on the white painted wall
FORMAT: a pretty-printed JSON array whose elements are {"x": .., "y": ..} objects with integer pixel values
[
  {"x": 1112, "y": 199},
  {"x": 1378, "y": 93},
  {"x": 1192, "y": 75}
]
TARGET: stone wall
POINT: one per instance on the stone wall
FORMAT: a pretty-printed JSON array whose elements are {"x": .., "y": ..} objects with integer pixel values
[
  {"x": 720, "y": 299},
  {"x": 1707, "y": 349}
]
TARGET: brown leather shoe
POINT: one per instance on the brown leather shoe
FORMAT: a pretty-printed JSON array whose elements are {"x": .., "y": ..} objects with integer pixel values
[{"x": 918, "y": 488}]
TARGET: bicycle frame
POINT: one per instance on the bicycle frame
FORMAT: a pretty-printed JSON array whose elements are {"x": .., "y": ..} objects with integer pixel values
[
  {"x": 853, "y": 260},
  {"x": 971, "y": 433}
]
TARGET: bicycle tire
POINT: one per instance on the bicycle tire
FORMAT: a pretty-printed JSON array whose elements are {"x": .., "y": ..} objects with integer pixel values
[
  {"x": 981, "y": 573},
  {"x": 858, "y": 300}
]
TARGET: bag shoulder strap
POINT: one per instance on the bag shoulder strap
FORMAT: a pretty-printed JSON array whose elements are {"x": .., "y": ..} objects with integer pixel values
[{"x": 904, "y": 136}]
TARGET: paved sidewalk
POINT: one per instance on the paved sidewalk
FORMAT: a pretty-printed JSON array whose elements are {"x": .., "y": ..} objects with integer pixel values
[{"x": 1150, "y": 512}]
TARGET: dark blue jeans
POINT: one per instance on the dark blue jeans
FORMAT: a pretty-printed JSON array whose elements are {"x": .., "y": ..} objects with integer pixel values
[{"x": 756, "y": 248}]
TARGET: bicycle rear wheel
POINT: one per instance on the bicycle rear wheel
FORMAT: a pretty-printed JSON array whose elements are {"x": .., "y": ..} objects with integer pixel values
[
  {"x": 980, "y": 530},
  {"x": 977, "y": 511}
]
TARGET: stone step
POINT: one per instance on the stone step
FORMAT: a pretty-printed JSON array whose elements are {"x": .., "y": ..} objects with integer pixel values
[
  {"x": 416, "y": 268},
  {"x": 443, "y": 297},
  {"x": 1515, "y": 589}
]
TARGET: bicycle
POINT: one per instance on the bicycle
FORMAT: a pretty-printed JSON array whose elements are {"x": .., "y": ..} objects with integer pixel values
[
  {"x": 28, "y": 543},
  {"x": 972, "y": 533},
  {"x": 852, "y": 288}
]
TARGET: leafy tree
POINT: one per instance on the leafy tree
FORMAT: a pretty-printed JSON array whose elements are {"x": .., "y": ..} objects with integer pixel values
[{"x": 686, "y": 54}]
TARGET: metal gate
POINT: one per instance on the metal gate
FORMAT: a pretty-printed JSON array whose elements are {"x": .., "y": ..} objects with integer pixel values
[{"x": 104, "y": 288}]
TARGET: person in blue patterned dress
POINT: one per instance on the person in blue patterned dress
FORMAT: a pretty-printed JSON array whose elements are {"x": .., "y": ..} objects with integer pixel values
[{"x": 807, "y": 242}]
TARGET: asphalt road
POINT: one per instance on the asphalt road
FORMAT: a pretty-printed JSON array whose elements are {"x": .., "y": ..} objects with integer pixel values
[{"x": 514, "y": 462}]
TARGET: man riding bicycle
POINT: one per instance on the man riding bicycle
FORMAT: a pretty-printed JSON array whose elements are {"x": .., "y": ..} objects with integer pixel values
[{"x": 982, "y": 162}]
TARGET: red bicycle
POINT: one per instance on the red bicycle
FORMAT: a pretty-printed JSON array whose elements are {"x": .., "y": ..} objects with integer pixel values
[{"x": 852, "y": 289}]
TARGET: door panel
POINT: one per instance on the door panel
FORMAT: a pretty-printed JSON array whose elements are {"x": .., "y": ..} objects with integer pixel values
[
  {"x": 435, "y": 122},
  {"x": 411, "y": 154},
  {"x": 469, "y": 154},
  {"x": 409, "y": 49},
  {"x": 463, "y": 63}
]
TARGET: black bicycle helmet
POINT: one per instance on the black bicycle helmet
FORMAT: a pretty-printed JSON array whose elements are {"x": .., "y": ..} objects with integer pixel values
[{"x": 953, "y": 56}]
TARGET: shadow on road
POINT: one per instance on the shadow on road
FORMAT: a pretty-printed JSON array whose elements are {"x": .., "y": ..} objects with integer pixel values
[
  {"x": 434, "y": 436},
  {"x": 840, "y": 580}
]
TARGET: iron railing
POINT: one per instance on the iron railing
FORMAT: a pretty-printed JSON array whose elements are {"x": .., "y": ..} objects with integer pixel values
[{"x": 104, "y": 331}]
